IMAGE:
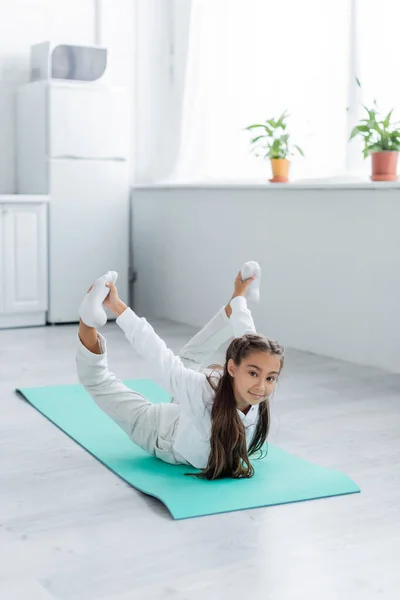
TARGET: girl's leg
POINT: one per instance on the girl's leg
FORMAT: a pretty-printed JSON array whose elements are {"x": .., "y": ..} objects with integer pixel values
[
  {"x": 131, "y": 411},
  {"x": 208, "y": 345},
  {"x": 150, "y": 426}
]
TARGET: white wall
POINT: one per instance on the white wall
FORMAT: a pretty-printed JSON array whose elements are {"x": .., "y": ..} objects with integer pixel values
[
  {"x": 330, "y": 261},
  {"x": 26, "y": 22}
]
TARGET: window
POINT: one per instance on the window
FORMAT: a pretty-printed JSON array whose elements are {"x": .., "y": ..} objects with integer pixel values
[
  {"x": 250, "y": 60},
  {"x": 377, "y": 60},
  {"x": 225, "y": 64}
]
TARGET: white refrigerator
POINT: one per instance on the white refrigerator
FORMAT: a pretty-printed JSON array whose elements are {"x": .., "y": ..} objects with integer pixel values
[{"x": 72, "y": 143}]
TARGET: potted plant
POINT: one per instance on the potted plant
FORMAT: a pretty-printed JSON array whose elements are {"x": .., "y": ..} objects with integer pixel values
[
  {"x": 273, "y": 142},
  {"x": 381, "y": 141}
]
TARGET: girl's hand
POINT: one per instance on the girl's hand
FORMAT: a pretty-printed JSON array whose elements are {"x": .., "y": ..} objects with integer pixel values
[
  {"x": 241, "y": 286},
  {"x": 113, "y": 302},
  {"x": 240, "y": 290}
]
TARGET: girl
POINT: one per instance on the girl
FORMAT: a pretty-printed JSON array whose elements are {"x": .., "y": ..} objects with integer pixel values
[{"x": 219, "y": 417}]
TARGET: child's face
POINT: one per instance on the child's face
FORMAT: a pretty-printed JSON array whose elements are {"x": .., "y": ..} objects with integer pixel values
[{"x": 255, "y": 378}]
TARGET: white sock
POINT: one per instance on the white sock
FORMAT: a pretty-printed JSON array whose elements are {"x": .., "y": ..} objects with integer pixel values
[
  {"x": 91, "y": 310},
  {"x": 248, "y": 270}
]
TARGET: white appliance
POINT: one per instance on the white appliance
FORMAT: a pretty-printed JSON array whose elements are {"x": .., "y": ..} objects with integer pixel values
[
  {"x": 72, "y": 143},
  {"x": 68, "y": 62}
]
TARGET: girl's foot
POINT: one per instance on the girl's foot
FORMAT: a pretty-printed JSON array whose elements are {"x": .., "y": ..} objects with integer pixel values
[
  {"x": 249, "y": 269},
  {"x": 91, "y": 310}
]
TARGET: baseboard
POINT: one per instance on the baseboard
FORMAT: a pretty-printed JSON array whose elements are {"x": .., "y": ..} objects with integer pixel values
[{"x": 11, "y": 321}]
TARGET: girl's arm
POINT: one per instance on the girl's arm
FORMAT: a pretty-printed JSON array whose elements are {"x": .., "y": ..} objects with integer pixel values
[
  {"x": 163, "y": 366},
  {"x": 237, "y": 311},
  {"x": 241, "y": 319}
]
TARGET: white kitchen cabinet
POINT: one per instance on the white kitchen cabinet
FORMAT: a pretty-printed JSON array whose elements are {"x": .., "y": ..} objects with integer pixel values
[{"x": 23, "y": 264}]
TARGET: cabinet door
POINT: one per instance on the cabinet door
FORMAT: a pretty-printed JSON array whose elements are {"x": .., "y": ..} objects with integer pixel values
[{"x": 24, "y": 257}]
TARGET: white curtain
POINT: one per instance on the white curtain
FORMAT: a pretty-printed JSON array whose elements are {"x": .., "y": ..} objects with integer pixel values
[
  {"x": 250, "y": 60},
  {"x": 161, "y": 38}
]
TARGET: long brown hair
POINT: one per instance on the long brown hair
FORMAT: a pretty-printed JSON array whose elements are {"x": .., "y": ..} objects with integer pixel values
[{"x": 229, "y": 456}]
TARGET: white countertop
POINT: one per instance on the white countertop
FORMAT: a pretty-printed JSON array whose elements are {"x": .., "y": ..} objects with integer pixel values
[
  {"x": 266, "y": 186},
  {"x": 24, "y": 199}
]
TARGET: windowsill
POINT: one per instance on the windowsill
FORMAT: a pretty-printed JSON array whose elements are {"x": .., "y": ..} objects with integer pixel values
[{"x": 295, "y": 185}]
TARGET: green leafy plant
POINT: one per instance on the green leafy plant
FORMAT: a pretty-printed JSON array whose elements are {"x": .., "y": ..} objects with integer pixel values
[
  {"x": 379, "y": 134},
  {"x": 272, "y": 140}
]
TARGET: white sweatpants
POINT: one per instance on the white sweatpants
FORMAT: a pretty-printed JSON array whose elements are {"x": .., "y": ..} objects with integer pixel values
[{"x": 153, "y": 426}]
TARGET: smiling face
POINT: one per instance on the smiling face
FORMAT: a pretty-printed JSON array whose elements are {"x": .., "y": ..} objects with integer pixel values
[{"x": 254, "y": 378}]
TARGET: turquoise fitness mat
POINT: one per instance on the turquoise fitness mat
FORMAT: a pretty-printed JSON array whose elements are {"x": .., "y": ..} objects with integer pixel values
[{"x": 280, "y": 478}]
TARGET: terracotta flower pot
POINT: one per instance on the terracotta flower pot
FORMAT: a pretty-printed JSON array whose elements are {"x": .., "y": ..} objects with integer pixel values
[
  {"x": 280, "y": 170},
  {"x": 384, "y": 166}
]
